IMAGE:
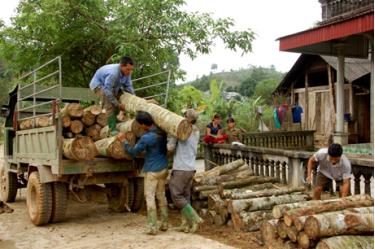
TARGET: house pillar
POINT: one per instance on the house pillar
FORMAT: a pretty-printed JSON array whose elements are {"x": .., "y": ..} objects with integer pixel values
[
  {"x": 372, "y": 94},
  {"x": 340, "y": 136}
]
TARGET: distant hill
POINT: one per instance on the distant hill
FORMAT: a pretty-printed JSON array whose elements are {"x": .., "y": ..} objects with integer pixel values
[{"x": 234, "y": 78}]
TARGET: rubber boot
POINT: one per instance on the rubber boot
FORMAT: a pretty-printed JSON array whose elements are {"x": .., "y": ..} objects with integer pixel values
[
  {"x": 152, "y": 222},
  {"x": 164, "y": 219},
  {"x": 192, "y": 217},
  {"x": 112, "y": 124},
  {"x": 184, "y": 227}
]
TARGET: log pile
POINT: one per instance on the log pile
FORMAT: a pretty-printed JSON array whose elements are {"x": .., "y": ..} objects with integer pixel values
[
  {"x": 313, "y": 224},
  {"x": 231, "y": 194}
]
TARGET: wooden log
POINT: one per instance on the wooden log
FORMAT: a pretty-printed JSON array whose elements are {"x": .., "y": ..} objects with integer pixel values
[
  {"x": 262, "y": 203},
  {"x": 299, "y": 222},
  {"x": 203, "y": 212},
  {"x": 292, "y": 233},
  {"x": 131, "y": 125},
  {"x": 279, "y": 210},
  {"x": 66, "y": 121},
  {"x": 94, "y": 132},
  {"x": 88, "y": 118},
  {"x": 76, "y": 126},
  {"x": 79, "y": 148},
  {"x": 220, "y": 170},
  {"x": 304, "y": 241},
  {"x": 214, "y": 180},
  {"x": 227, "y": 193},
  {"x": 94, "y": 109},
  {"x": 214, "y": 202},
  {"x": 111, "y": 147},
  {"x": 251, "y": 180},
  {"x": 281, "y": 229},
  {"x": 348, "y": 241},
  {"x": 268, "y": 192},
  {"x": 168, "y": 121},
  {"x": 331, "y": 224},
  {"x": 268, "y": 231},
  {"x": 198, "y": 205},
  {"x": 250, "y": 221},
  {"x": 39, "y": 122},
  {"x": 206, "y": 193},
  {"x": 204, "y": 188},
  {"x": 337, "y": 205},
  {"x": 101, "y": 119},
  {"x": 73, "y": 110},
  {"x": 105, "y": 132}
]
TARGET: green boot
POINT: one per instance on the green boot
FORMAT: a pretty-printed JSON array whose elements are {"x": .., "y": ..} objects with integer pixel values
[
  {"x": 192, "y": 217},
  {"x": 184, "y": 227},
  {"x": 152, "y": 222},
  {"x": 164, "y": 219},
  {"x": 112, "y": 122}
]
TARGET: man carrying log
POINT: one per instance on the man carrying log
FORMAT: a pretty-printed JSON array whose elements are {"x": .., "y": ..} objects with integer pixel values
[
  {"x": 107, "y": 82},
  {"x": 333, "y": 165},
  {"x": 154, "y": 142},
  {"x": 183, "y": 173}
]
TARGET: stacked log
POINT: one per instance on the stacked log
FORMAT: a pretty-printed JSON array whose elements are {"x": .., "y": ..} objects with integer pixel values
[{"x": 303, "y": 224}]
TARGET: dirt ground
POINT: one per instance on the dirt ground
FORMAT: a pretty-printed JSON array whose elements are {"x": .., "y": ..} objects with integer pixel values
[{"x": 91, "y": 225}]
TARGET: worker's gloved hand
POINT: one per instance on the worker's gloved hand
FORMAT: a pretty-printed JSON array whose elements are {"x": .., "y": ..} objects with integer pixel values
[{"x": 121, "y": 107}]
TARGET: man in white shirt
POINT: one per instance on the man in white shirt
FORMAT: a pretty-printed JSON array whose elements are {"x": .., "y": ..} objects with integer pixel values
[{"x": 333, "y": 165}]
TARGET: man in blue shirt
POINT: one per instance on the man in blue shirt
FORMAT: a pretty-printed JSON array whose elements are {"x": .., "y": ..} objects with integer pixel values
[
  {"x": 154, "y": 142},
  {"x": 107, "y": 82}
]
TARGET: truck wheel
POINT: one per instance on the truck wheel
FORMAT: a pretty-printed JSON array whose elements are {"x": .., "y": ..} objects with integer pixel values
[
  {"x": 38, "y": 200},
  {"x": 139, "y": 197},
  {"x": 59, "y": 201},
  {"x": 120, "y": 196},
  {"x": 8, "y": 185}
]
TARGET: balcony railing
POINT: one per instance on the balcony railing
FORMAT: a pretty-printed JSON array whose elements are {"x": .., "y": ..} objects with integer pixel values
[
  {"x": 336, "y": 8},
  {"x": 289, "y": 166}
]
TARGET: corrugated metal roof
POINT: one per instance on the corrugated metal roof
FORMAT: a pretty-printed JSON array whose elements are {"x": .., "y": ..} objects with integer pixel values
[{"x": 354, "y": 68}]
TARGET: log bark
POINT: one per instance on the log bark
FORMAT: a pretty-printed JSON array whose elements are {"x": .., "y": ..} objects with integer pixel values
[
  {"x": 251, "y": 180},
  {"x": 66, "y": 121},
  {"x": 224, "y": 178},
  {"x": 79, "y": 148},
  {"x": 268, "y": 192},
  {"x": 197, "y": 205},
  {"x": 73, "y": 110},
  {"x": 101, "y": 119},
  {"x": 131, "y": 125},
  {"x": 262, "y": 203},
  {"x": 268, "y": 231},
  {"x": 206, "y": 193},
  {"x": 227, "y": 193},
  {"x": 279, "y": 210},
  {"x": 88, "y": 118},
  {"x": 331, "y": 224},
  {"x": 220, "y": 170},
  {"x": 281, "y": 229},
  {"x": 204, "y": 188},
  {"x": 337, "y": 205},
  {"x": 105, "y": 132},
  {"x": 250, "y": 221},
  {"x": 76, "y": 126},
  {"x": 303, "y": 240},
  {"x": 111, "y": 147},
  {"x": 349, "y": 241},
  {"x": 299, "y": 222},
  {"x": 168, "y": 121},
  {"x": 94, "y": 132}
]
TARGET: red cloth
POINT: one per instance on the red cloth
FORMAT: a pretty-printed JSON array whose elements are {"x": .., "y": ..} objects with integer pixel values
[{"x": 213, "y": 140}]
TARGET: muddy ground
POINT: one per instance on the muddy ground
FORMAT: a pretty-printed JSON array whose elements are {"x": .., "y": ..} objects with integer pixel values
[{"x": 91, "y": 225}]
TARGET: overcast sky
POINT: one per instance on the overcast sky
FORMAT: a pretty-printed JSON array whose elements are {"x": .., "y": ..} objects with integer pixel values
[{"x": 269, "y": 19}]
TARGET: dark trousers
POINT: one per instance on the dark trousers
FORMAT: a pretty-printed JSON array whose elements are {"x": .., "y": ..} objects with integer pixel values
[{"x": 180, "y": 187}]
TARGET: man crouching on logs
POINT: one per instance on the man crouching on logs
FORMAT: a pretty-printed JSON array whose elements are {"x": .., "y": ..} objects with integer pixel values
[
  {"x": 333, "y": 165},
  {"x": 154, "y": 142},
  {"x": 183, "y": 173}
]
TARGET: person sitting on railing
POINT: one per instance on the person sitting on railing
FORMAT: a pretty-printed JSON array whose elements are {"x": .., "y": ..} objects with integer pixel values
[
  {"x": 214, "y": 131},
  {"x": 107, "y": 82},
  {"x": 234, "y": 134},
  {"x": 333, "y": 165}
]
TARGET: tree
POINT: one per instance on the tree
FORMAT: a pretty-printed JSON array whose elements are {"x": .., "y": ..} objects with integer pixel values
[
  {"x": 92, "y": 33},
  {"x": 265, "y": 88},
  {"x": 247, "y": 87},
  {"x": 214, "y": 67}
]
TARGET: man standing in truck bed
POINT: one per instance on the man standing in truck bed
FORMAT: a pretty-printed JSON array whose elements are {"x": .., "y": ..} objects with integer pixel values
[{"x": 107, "y": 82}]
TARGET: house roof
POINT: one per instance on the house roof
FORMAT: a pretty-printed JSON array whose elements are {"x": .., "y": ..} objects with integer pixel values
[{"x": 354, "y": 68}]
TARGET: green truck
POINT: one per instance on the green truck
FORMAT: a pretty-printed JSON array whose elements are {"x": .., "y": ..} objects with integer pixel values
[{"x": 33, "y": 158}]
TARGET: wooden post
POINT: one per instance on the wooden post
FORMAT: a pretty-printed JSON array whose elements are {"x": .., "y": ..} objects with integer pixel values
[
  {"x": 331, "y": 97},
  {"x": 306, "y": 101}
]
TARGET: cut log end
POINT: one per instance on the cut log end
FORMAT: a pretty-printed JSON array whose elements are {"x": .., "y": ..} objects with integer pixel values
[
  {"x": 303, "y": 240},
  {"x": 80, "y": 148},
  {"x": 184, "y": 130},
  {"x": 76, "y": 126},
  {"x": 102, "y": 120},
  {"x": 281, "y": 229},
  {"x": 312, "y": 227}
]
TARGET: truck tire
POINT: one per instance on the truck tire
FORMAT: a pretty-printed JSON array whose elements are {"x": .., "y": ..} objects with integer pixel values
[
  {"x": 8, "y": 185},
  {"x": 120, "y": 196},
  {"x": 139, "y": 197},
  {"x": 38, "y": 200},
  {"x": 59, "y": 201}
]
